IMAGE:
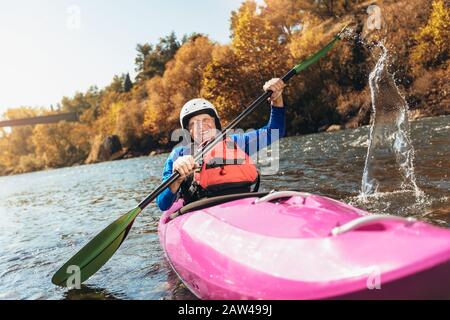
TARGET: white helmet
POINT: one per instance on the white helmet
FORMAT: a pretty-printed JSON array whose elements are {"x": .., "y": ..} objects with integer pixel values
[{"x": 195, "y": 107}]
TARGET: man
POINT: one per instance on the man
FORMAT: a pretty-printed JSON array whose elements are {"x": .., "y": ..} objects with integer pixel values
[{"x": 200, "y": 117}]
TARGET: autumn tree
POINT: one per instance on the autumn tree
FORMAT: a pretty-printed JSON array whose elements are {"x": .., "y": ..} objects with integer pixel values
[
  {"x": 129, "y": 124},
  {"x": 433, "y": 40},
  {"x": 19, "y": 137},
  {"x": 181, "y": 82},
  {"x": 120, "y": 113},
  {"x": 17, "y": 144},
  {"x": 257, "y": 53},
  {"x": 61, "y": 144},
  {"x": 256, "y": 42},
  {"x": 223, "y": 81},
  {"x": 334, "y": 8},
  {"x": 287, "y": 16}
]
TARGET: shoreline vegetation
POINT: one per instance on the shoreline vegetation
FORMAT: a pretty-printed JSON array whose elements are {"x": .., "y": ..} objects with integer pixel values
[
  {"x": 125, "y": 154},
  {"x": 135, "y": 118}
]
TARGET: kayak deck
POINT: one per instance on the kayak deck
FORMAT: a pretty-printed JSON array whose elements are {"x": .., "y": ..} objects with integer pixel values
[{"x": 285, "y": 249}]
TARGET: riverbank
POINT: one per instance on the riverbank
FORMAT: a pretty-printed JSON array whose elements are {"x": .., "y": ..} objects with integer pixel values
[{"x": 128, "y": 154}]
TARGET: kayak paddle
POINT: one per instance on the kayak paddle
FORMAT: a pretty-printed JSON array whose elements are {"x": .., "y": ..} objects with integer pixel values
[{"x": 101, "y": 248}]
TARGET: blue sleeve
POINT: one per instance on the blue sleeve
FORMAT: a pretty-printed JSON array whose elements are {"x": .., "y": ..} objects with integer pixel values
[
  {"x": 255, "y": 140},
  {"x": 167, "y": 198}
]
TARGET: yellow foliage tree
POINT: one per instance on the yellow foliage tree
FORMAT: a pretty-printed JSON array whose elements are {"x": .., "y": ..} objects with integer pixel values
[
  {"x": 287, "y": 15},
  {"x": 181, "y": 82},
  {"x": 108, "y": 122},
  {"x": 433, "y": 40},
  {"x": 309, "y": 40},
  {"x": 223, "y": 83},
  {"x": 129, "y": 123},
  {"x": 257, "y": 53},
  {"x": 17, "y": 143},
  {"x": 61, "y": 144},
  {"x": 256, "y": 42}
]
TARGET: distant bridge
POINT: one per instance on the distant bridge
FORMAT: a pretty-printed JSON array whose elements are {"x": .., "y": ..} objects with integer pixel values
[{"x": 54, "y": 118}]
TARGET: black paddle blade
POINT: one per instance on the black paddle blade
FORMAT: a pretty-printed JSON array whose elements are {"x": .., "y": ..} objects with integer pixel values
[{"x": 96, "y": 253}]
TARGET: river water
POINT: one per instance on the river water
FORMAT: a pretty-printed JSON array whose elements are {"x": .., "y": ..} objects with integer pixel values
[{"x": 45, "y": 217}]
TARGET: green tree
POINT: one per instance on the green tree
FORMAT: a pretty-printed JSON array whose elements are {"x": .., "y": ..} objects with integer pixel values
[
  {"x": 151, "y": 60},
  {"x": 127, "y": 84},
  {"x": 116, "y": 84},
  {"x": 192, "y": 37},
  {"x": 85, "y": 104},
  {"x": 81, "y": 101}
]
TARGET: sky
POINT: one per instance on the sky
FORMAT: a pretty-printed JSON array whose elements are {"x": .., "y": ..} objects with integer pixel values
[{"x": 53, "y": 48}]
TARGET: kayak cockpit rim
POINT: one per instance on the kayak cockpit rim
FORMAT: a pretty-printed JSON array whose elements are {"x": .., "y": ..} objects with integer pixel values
[{"x": 261, "y": 197}]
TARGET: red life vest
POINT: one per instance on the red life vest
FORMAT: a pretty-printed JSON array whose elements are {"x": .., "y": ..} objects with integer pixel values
[
  {"x": 225, "y": 169},
  {"x": 225, "y": 166}
]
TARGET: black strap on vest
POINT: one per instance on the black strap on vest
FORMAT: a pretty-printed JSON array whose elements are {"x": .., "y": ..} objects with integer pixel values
[
  {"x": 191, "y": 191},
  {"x": 258, "y": 181}
]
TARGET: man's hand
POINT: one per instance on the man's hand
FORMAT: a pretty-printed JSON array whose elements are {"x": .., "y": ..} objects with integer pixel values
[
  {"x": 184, "y": 166},
  {"x": 276, "y": 85}
]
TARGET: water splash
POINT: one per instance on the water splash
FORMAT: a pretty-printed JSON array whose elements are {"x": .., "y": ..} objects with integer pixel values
[{"x": 390, "y": 151}]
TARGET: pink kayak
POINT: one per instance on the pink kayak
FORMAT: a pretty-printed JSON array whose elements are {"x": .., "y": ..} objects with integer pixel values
[{"x": 293, "y": 245}]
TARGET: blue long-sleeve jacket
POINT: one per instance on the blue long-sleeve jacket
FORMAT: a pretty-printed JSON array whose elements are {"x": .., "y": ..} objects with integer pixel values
[{"x": 251, "y": 142}]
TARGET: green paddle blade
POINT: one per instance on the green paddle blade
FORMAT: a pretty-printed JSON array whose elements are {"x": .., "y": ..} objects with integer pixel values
[
  {"x": 97, "y": 252},
  {"x": 319, "y": 54},
  {"x": 316, "y": 57}
]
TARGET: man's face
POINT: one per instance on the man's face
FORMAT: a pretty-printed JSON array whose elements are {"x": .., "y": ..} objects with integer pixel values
[{"x": 202, "y": 128}]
